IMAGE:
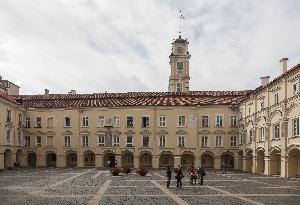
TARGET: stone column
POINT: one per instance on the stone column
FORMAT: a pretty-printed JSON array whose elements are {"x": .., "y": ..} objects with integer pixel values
[
  {"x": 41, "y": 160},
  {"x": 136, "y": 161},
  {"x": 267, "y": 165},
  {"x": 197, "y": 161},
  {"x": 177, "y": 161},
  {"x": 119, "y": 160},
  {"x": 245, "y": 164},
  {"x": 254, "y": 164},
  {"x": 155, "y": 161},
  {"x": 80, "y": 160},
  {"x": 217, "y": 162},
  {"x": 1, "y": 160},
  {"x": 283, "y": 171},
  {"x": 98, "y": 160},
  {"x": 236, "y": 163},
  {"x": 60, "y": 161},
  {"x": 24, "y": 162}
]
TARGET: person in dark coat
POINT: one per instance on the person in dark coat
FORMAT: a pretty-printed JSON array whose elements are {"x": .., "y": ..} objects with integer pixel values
[
  {"x": 169, "y": 174},
  {"x": 178, "y": 177},
  {"x": 201, "y": 173},
  {"x": 224, "y": 167}
]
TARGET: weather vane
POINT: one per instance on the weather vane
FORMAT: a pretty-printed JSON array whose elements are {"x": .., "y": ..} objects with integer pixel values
[{"x": 181, "y": 18}]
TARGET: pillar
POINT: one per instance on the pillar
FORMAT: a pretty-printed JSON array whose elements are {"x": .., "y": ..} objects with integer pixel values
[
  {"x": 136, "y": 163},
  {"x": 119, "y": 160},
  {"x": 24, "y": 162},
  {"x": 245, "y": 164},
  {"x": 267, "y": 165},
  {"x": 197, "y": 161},
  {"x": 177, "y": 161},
  {"x": 41, "y": 160},
  {"x": 236, "y": 163},
  {"x": 80, "y": 160},
  {"x": 254, "y": 164},
  {"x": 283, "y": 168},
  {"x": 155, "y": 161},
  {"x": 98, "y": 160},
  {"x": 61, "y": 161},
  {"x": 217, "y": 162},
  {"x": 1, "y": 161}
]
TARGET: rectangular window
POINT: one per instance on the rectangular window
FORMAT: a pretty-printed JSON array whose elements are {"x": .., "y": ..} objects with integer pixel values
[
  {"x": 27, "y": 122},
  {"x": 50, "y": 141},
  {"x": 261, "y": 105},
  {"x": 181, "y": 121},
  {"x": 204, "y": 141},
  {"x": 38, "y": 141},
  {"x": 67, "y": 141},
  {"x": 276, "y": 98},
  {"x": 116, "y": 121},
  {"x": 50, "y": 122},
  {"x": 233, "y": 121},
  {"x": 261, "y": 134},
  {"x": 20, "y": 120},
  {"x": 241, "y": 139},
  {"x": 27, "y": 141},
  {"x": 181, "y": 141},
  {"x": 145, "y": 122},
  {"x": 85, "y": 141},
  {"x": 38, "y": 122},
  {"x": 162, "y": 121},
  {"x": 179, "y": 65},
  {"x": 178, "y": 87},
  {"x": 101, "y": 140},
  {"x": 85, "y": 121},
  {"x": 295, "y": 89},
  {"x": 8, "y": 132},
  {"x": 219, "y": 141},
  {"x": 19, "y": 137},
  {"x": 67, "y": 122},
  {"x": 219, "y": 121},
  {"x": 100, "y": 121},
  {"x": 233, "y": 141},
  {"x": 8, "y": 116},
  {"x": 205, "y": 121},
  {"x": 296, "y": 125},
  {"x": 250, "y": 136},
  {"x": 145, "y": 141},
  {"x": 276, "y": 131},
  {"x": 162, "y": 141},
  {"x": 129, "y": 141},
  {"x": 129, "y": 121},
  {"x": 116, "y": 140}
]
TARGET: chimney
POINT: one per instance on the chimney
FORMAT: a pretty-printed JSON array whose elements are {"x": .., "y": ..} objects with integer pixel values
[
  {"x": 284, "y": 61},
  {"x": 72, "y": 92},
  {"x": 264, "y": 80},
  {"x": 46, "y": 92}
]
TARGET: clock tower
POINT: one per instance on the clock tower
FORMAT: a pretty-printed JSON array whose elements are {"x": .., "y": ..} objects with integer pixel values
[{"x": 179, "y": 61}]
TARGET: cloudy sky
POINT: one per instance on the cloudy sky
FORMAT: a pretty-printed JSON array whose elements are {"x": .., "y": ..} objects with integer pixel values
[{"x": 120, "y": 46}]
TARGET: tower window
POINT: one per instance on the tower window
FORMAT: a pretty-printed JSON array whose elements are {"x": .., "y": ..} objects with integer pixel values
[
  {"x": 178, "y": 87},
  {"x": 179, "y": 65}
]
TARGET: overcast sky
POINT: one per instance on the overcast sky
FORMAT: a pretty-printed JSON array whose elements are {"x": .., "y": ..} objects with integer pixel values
[{"x": 121, "y": 46}]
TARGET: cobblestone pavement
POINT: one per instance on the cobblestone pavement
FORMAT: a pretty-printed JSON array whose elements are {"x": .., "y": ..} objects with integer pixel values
[{"x": 94, "y": 186}]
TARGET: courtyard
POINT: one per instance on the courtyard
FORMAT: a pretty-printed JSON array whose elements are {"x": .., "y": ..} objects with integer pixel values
[{"x": 94, "y": 186}]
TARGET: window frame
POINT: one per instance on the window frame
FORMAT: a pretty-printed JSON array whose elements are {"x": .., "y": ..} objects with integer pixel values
[
  {"x": 132, "y": 124},
  {"x": 180, "y": 122},
  {"x": 162, "y": 123},
  {"x": 67, "y": 143},
  {"x": 65, "y": 121}
]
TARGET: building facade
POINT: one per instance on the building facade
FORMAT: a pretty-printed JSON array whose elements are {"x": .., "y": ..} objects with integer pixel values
[{"x": 253, "y": 130}]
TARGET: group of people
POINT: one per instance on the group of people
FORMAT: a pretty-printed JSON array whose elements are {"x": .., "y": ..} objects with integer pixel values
[
  {"x": 193, "y": 173},
  {"x": 112, "y": 163}
]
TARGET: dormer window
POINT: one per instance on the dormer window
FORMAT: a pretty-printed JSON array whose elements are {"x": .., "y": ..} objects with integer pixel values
[{"x": 179, "y": 65}]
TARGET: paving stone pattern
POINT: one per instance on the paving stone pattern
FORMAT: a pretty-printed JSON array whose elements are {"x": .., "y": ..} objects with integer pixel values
[{"x": 58, "y": 186}]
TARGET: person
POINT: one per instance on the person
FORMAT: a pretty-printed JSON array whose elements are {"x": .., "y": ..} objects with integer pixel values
[
  {"x": 193, "y": 177},
  {"x": 178, "y": 177},
  {"x": 116, "y": 163},
  {"x": 108, "y": 163},
  {"x": 169, "y": 173},
  {"x": 17, "y": 165},
  {"x": 224, "y": 168},
  {"x": 201, "y": 173}
]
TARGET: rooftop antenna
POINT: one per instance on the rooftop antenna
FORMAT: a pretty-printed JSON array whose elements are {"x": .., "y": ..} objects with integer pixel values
[{"x": 181, "y": 18}]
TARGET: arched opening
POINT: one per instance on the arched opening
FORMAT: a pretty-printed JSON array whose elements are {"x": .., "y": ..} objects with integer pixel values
[
  {"x": 89, "y": 158},
  {"x": 228, "y": 159},
  {"x": 19, "y": 157},
  {"x": 187, "y": 158},
  {"x": 260, "y": 161},
  {"x": 31, "y": 157},
  {"x": 109, "y": 159},
  {"x": 8, "y": 159},
  {"x": 51, "y": 159},
  {"x": 240, "y": 160},
  {"x": 249, "y": 160},
  {"x": 146, "y": 159},
  {"x": 275, "y": 162},
  {"x": 166, "y": 159},
  {"x": 293, "y": 165},
  {"x": 127, "y": 159},
  {"x": 71, "y": 159},
  {"x": 207, "y": 160}
]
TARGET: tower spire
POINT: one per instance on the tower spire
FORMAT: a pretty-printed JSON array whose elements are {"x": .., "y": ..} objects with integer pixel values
[{"x": 181, "y": 19}]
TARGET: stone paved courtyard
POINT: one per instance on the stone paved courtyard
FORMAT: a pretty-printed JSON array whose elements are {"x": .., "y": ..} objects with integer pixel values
[{"x": 93, "y": 186}]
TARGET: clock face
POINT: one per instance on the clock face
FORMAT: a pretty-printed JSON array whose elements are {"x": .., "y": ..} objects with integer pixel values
[{"x": 180, "y": 50}]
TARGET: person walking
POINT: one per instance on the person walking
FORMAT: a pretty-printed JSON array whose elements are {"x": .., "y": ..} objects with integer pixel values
[
  {"x": 224, "y": 168},
  {"x": 201, "y": 173},
  {"x": 169, "y": 174},
  {"x": 178, "y": 177}
]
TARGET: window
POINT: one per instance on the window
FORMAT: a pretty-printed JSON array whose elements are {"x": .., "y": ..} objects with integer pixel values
[
  {"x": 261, "y": 134},
  {"x": 27, "y": 122},
  {"x": 38, "y": 122},
  {"x": 20, "y": 120},
  {"x": 219, "y": 121},
  {"x": 276, "y": 131},
  {"x": 181, "y": 141},
  {"x": 8, "y": 132},
  {"x": 181, "y": 121},
  {"x": 295, "y": 124},
  {"x": 145, "y": 121},
  {"x": 100, "y": 121},
  {"x": 85, "y": 121},
  {"x": 50, "y": 141},
  {"x": 250, "y": 136},
  {"x": 233, "y": 120},
  {"x": 219, "y": 141},
  {"x": 19, "y": 137},
  {"x": 67, "y": 122},
  {"x": 67, "y": 141},
  {"x": 101, "y": 140},
  {"x": 295, "y": 89},
  {"x": 145, "y": 141},
  {"x": 249, "y": 110},
  {"x": 179, "y": 65},
  {"x": 204, "y": 141},
  {"x": 38, "y": 140},
  {"x": 116, "y": 140},
  {"x": 233, "y": 141},
  {"x": 162, "y": 121},
  {"x": 27, "y": 141},
  {"x": 178, "y": 87},
  {"x": 8, "y": 117},
  {"x": 116, "y": 121},
  {"x": 85, "y": 141},
  {"x": 162, "y": 141},
  {"x": 261, "y": 105},
  {"x": 276, "y": 98},
  {"x": 205, "y": 121},
  {"x": 129, "y": 141},
  {"x": 241, "y": 139},
  {"x": 129, "y": 121},
  {"x": 50, "y": 122}
]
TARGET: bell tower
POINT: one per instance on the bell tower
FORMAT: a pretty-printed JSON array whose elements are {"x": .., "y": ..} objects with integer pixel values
[{"x": 179, "y": 62}]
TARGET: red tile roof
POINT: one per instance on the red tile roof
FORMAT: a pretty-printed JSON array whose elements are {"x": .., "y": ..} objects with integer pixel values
[
  {"x": 3, "y": 94},
  {"x": 191, "y": 98}
]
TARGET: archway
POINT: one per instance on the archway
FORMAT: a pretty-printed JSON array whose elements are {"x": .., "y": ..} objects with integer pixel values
[
  {"x": 240, "y": 160},
  {"x": 260, "y": 161},
  {"x": 187, "y": 158},
  {"x": 293, "y": 165},
  {"x": 249, "y": 160},
  {"x": 207, "y": 160},
  {"x": 275, "y": 162},
  {"x": 146, "y": 159},
  {"x": 228, "y": 159},
  {"x": 109, "y": 156},
  {"x": 127, "y": 159},
  {"x": 31, "y": 157},
  {"x": 19, "y": 157},
  {"x": 166, "y": 159},
  {"x": 71, "y": 159},
  {"x": 89, "y": 158},
  {"x": 51, "y": 159},
  {"x": 8, "y": 159}
]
